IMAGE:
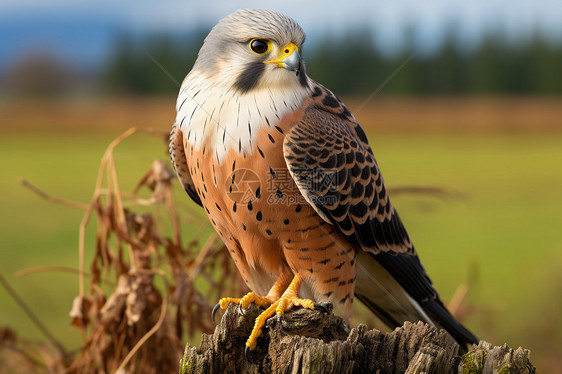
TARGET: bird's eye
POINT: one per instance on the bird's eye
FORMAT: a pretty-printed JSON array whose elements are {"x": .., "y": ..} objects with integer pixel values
[{"x": 259, "y": 46}]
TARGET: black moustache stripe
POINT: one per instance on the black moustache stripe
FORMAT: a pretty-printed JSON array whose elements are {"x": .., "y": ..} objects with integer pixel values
[{"x": 250, "y": 77}]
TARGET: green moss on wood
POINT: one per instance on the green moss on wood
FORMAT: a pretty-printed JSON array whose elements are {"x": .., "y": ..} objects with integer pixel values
[
  {"x": 319, "y": 359},
  {"x": 505, "y": 370},
  {"x": 188, "y": 362},
  {"x": 473, "y": 361}
]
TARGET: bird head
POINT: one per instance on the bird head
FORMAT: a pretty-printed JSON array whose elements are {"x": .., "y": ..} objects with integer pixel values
[{"x": 254, "y": 48}]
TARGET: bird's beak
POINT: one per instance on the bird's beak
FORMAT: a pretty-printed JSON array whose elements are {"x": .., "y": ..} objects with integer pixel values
[{"x": 290, "y": 58}]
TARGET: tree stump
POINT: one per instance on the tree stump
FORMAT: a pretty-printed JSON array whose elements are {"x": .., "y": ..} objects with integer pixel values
[{"x": 312, "y": 341}]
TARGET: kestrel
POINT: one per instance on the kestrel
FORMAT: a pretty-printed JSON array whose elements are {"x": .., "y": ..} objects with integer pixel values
[{"x": 287, "y": 178}]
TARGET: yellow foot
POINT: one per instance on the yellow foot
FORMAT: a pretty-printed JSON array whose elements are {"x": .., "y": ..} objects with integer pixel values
[
  {"x": 244, "y": 302},
  {"x": 279, "y": 307}
]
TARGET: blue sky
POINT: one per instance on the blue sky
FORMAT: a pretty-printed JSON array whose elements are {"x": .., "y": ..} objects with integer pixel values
[{"x": 82, "y": 31}]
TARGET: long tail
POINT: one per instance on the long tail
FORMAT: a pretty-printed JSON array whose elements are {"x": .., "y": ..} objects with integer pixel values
[{"x": 395, "y": 289}]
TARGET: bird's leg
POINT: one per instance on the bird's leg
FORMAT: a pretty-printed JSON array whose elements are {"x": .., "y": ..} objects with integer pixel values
[
  {"x": 274, "y": 294},
  {"x": 283, "y": 304}
]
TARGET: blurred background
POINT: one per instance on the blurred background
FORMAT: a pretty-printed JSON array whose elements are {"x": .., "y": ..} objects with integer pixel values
[{"x": 460, "y": 96}]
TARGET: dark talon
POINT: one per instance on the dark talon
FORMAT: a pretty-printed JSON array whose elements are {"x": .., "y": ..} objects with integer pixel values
[
  {"x": 321, "y": 307},
  {"x": 241, "y": 310},
  {"x": 215, "y": 312},
  {"x": 248, "y": 354}
]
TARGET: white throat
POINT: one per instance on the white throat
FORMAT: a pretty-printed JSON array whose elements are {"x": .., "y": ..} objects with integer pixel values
[{"x": 215, "y": 115}]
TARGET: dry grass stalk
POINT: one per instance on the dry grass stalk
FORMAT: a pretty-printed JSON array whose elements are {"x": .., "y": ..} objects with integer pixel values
[{"x": 130, "y": 321}]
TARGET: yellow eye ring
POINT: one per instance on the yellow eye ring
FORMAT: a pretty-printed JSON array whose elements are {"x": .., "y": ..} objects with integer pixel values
[{"x": 260, "y": 46}]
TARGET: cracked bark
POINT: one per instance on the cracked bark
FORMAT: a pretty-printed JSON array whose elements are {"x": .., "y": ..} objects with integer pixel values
[{"x": 308, "y": 341}]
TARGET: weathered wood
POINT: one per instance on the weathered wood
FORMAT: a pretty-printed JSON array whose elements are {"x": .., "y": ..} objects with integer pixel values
[
  {"x": 496, "y": 359},
  {"x": 307, "y": 341}
]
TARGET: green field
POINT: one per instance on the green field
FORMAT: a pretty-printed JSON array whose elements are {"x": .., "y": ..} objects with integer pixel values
[{"x": 500, "y": 224}]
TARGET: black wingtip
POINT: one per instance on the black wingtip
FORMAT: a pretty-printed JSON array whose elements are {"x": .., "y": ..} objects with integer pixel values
[
  {"x": 439, "y": 314},
  {"x": 410, "y": 274}
]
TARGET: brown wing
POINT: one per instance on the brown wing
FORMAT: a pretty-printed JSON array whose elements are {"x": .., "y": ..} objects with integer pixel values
[
  {"x": 331, "y": 161},
  {"x": 179, "y": 161}
]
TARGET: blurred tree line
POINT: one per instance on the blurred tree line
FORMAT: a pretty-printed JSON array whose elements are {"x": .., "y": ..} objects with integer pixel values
[{"x": 353, "y": 64}]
